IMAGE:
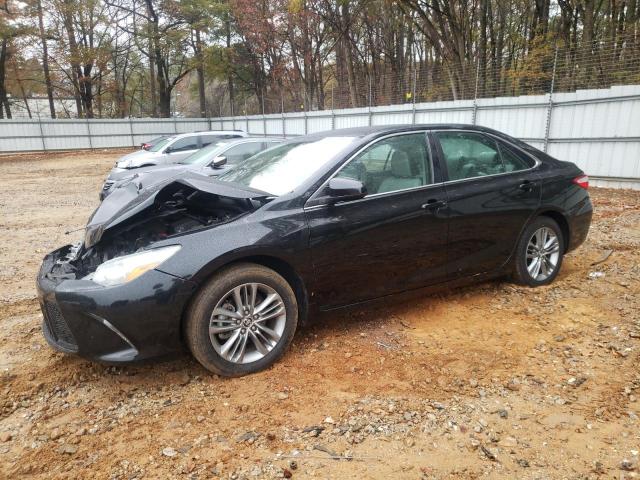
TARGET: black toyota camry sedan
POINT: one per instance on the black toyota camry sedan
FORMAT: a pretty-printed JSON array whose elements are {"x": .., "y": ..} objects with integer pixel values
[{"x": 229, "y": 268}]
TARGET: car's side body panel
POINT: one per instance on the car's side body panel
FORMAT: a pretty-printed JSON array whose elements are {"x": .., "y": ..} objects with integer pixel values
[
  {"x": 376, "y": 246},
  {"x": 486, "y": 216},
  {"x": 281, "y": 234}
]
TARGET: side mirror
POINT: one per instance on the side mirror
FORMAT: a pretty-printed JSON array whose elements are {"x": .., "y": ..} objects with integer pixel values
[
  {"x": 168, "y": 150},
  {"x": 219, "y": 161},
  {"x": 344, "y": 189}
]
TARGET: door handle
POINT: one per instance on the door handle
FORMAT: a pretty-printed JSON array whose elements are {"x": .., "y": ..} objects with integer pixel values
[
  {"x": 433, "y": 204},
  {"x": 527, "y": 185}
]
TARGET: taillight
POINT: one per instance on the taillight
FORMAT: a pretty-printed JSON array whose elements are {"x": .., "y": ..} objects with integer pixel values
[
  {"x": 582, "y": 181},
  {"x": 146, "y": 146}
]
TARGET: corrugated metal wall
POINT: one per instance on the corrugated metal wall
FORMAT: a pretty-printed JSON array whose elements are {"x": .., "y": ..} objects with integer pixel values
[{"x": 597, "y": 129}]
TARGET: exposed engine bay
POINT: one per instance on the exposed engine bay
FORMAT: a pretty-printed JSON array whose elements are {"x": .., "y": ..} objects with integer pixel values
[{"x": 177, "y": 208}]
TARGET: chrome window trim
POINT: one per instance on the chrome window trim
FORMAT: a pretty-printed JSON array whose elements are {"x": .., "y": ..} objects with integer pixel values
[
  {"x": 536, "y": 161},
  {"x": 372, "y": 196},
  {"x": 425, "y": 132}
]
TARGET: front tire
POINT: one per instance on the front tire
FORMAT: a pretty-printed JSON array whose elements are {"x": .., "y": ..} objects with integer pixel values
[
  {"x": 242, "y": 320},
  {"x": 539, "y": 253}
]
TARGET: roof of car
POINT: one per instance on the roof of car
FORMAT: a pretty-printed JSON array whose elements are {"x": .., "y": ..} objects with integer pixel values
[
  {"x": 234, "y": 141},
  {"x": 212, "y": 132},
  {"x": 383, "y": 129}
]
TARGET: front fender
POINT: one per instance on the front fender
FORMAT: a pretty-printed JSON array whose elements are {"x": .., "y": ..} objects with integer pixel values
[{"x": 285, "y": 238}]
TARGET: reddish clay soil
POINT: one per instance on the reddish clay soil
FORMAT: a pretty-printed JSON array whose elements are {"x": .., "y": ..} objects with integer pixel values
[{"x": 493, "y": 380}]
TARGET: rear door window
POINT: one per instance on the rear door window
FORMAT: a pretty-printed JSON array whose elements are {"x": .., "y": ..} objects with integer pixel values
[
  {"x": 243, "y": 151},
  {"x": 469, "y": 155},
  {"x": 514, "y": 160},
  {"x": 472, "y": 155},
  {"x": 185, "y": 143}
]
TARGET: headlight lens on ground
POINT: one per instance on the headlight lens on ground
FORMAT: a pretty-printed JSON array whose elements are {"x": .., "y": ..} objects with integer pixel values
[{"x": 129, "y": 267}]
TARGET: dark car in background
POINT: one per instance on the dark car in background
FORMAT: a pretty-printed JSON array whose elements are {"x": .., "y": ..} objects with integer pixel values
[
  {"x": 212, "y": 160},
  {"x": 231, "y": 266}
]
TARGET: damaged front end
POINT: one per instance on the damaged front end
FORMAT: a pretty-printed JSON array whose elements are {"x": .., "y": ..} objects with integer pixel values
[
  {"x": 104, "y": 297},
  {"x": 133, "y": 218}
]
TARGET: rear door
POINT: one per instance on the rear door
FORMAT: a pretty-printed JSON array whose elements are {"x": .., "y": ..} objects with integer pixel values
[
  {"x": 182, "y": 148},
  {"x": 492, "y": 191},
  {"x": 393, "y": 239},
  {"x": 239, "y": 153}
]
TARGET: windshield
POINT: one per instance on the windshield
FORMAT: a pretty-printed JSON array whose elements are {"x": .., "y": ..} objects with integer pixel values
[
  {"x": 206, "y": 154},
  {"x": 160, "y": 145},
  {"x": 282, "y": 169}
]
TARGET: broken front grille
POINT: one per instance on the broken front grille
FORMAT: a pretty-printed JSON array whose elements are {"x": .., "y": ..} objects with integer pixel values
[{"x": 58, "y": 326}]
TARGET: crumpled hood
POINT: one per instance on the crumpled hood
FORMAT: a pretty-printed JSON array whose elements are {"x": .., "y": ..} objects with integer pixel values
[
  {"x": 133, "y": 158},
  {"x": 140, "y": 194},
  {"x": 158, "y": 171}
]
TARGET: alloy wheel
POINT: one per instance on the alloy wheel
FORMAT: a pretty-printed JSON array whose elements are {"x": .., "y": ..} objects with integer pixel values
[
  {"x": 247, "y": 323},
  {"x": 543, "y": 253}
]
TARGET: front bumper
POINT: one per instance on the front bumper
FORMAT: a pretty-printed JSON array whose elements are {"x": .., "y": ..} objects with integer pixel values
[{"x": 126, "y": 323}]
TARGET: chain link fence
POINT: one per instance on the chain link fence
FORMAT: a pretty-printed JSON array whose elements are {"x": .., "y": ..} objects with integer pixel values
[{"x": 546, "y": 68}]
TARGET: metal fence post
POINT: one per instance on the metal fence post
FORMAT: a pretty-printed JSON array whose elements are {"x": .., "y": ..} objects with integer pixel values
[
  {"x": 246, "y": 116},
  {"x": 133, "y": 141},
  {"x": 333, "y": 112},
  {"x": 284, "y": 132},
  {"x": 370, "y": 113},
  {"x": 264, "y": 119},
  {"x": 547, "y": 127},
  {"x": 233, "y": 118},
  {"x": 474, "y": 114},
  {"x": 44, "y": 144},
  {"x": 413, "y": 95},
  {"x": 89, "y": 133}
]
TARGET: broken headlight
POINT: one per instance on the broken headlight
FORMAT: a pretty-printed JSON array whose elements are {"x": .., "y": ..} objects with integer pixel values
[{"x": 123, "y": 269}]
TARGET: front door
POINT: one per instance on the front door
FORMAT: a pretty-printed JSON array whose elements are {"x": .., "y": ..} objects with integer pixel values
[
  {"x": 492, "y": 192},
  {"x": 392, "y": 240}
]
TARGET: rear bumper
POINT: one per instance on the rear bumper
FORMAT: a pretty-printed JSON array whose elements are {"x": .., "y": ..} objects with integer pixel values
[
  {"x": 579, "y": 219},
  {"x": 126, "y": 323}
]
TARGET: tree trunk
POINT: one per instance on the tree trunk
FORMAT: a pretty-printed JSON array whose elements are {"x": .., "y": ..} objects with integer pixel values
[
  {"x": 227, "y": 25},
  {"x": 45, "y": 62},
  {"x": 200, "y": 71},
  {"x": 152, "y": 69},
  {"x": 482, "y": 60},
  {"x": 76, "y": 72},
  {"x": 152, "y": 82},
  {"x": 4, "y": 100},
  {"x": 346, "y": 21}
]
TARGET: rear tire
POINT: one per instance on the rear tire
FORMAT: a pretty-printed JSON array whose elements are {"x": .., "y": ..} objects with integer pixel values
[
  {"x": 258, "y": 328},
  {"x": 539, "y": 254}
]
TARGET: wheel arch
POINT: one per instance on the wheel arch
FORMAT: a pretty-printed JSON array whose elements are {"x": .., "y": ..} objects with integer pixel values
[
  {"x": 278, "y": 265},
  {"x": 562, "y": 222}
]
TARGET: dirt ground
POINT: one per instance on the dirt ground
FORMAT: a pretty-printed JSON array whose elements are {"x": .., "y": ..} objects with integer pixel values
[{"x": 491, "y": 381}]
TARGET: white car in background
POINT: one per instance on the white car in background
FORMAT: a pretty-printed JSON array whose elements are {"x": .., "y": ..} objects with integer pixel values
[
  {"x": 174, "y": 149},
  {"x": 210, "y": 161}
]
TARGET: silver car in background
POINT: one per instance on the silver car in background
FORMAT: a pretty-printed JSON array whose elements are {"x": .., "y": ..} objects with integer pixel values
[
  {"x": 174, "y": 149},
  {"x": 211, "y": 161}
]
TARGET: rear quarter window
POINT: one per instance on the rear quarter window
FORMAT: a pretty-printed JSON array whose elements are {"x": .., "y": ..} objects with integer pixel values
[{"x": 513, "y": 159}]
